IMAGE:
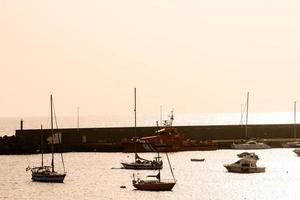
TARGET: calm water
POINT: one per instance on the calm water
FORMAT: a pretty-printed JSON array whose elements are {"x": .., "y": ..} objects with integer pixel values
[{"x": 90, "y": 176}]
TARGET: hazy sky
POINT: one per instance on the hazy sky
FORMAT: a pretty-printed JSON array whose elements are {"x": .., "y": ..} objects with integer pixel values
[{"x": 194, "y": 56}]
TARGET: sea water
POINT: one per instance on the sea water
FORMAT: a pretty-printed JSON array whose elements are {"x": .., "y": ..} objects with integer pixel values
[{"x": 98, "y": 176}]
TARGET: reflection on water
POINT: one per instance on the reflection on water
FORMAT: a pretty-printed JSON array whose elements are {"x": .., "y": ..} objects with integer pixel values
[{"x": 90, "y": 176}]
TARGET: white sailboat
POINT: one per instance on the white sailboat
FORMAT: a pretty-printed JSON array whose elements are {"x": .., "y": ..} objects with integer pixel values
[
  {"x": 141, "y": 163},
  {"x": 249, "y": 144},
  {"x": 47, "y": 173}
]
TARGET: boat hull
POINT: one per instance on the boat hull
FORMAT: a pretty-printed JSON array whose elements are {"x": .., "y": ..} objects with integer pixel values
[
  {"x": 158, "y": 186},
  {"x": 138, "y": 166},
  {"x": 197, "y": 160},
  {"x": 250, "y": 146},
  {"x": 128, "y": 147},
  {"x": 291, "y": 144},
  {"x": 237, "y": 169},
  {"x": 52, "y": 178}
]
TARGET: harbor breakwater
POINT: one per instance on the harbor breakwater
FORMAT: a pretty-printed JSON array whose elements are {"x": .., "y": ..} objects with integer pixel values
[{"x": 109, "y": 139}]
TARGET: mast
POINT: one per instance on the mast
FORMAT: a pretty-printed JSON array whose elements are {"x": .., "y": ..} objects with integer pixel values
[
  {"x": 42, "y": 145},
  {"x": 242, "y": 113},
  {"x": 77, "y": 118},
  {"x": 160, "y": 116},
  {"x": 295, "y": 119},
  {"x": 246, "y": 125},
  {"x": 52, "y": 135},
  {"x": 135, "y": 149}
]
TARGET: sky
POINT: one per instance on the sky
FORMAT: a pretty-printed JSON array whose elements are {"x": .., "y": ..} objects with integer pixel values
[{"x": 192, "y": 56}]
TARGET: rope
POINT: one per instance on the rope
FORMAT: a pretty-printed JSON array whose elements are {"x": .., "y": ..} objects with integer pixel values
[
  {"x": 170, "y": 166},
  {"x": 59, "y": 138}
]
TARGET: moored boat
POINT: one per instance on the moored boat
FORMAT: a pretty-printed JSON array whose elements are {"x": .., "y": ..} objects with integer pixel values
[
  {"x": 247, "y": 164},
  {"x": 140, "y": 163},
  {"x": 167, "y": 139},
  {"x": 143, "y": 164},
  {"x": 157, "y": 184},
  {"x": 250, "y": 144},
  {"x": 47, "y": 173},
  {"x": 153, "y": 185},
  {"x": 197, "y": 159}
]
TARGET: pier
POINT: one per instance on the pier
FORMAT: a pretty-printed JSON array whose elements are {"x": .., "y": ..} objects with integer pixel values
[{"x": 108, "y": 139}]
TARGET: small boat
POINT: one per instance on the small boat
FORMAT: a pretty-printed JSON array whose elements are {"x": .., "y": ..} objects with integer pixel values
[
  {"x": 197, "y": 159},
  {"x": 247, "y": 154},
  {"x": 156, "y": 184},
  {"x": 140, "y": 163},
  {"x": 250, "y": 144},
  {"x": 245, "y": 165},
  {"x": 293, "y": 144},
  {"x": 47, "y": 173},
  {"x": 297, "y": 151},
  {"x": 143, "y": 164}
]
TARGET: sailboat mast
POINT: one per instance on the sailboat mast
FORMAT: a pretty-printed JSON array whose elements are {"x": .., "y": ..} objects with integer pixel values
[
  {"x": 52, "y": 135},
  {"x": 42, "y": 145},
  {"x": 246, "y": 127},
  {"x": 135, "y": 149},
  {"x": 295, "y": 119}
]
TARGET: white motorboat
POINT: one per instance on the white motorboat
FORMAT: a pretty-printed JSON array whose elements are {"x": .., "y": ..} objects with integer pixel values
[
  {"x": 250, "y": 144},
  {"x": 245, "y": 165}
]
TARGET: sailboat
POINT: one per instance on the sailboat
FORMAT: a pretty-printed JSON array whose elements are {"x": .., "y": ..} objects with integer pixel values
[
  {"x": 139, "y": 162},
  {"x": 296, "y": 142},
  {"x": 156, "y": 184},
  {"x": 251, "y": 143},
  {"x": 47, "y": 173}
]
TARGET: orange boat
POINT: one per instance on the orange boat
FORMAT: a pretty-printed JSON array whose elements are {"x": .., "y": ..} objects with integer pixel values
[{"x": 167, "y": 139}]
